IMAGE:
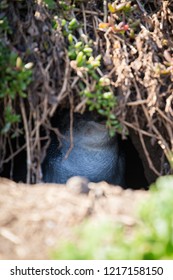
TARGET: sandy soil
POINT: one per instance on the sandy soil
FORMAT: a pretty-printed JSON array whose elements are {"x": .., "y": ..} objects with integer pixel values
[{"x": 34, "y": 218}]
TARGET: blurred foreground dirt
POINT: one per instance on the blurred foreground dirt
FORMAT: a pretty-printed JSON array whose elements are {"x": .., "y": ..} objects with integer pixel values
[{"x": 34, "y": 218}]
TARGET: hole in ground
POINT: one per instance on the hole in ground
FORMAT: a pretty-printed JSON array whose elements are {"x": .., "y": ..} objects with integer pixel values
[{"x": 134, "y": 173}]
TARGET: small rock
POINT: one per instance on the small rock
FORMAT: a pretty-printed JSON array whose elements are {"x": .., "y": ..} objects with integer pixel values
[{"x": 78, "y": 185}]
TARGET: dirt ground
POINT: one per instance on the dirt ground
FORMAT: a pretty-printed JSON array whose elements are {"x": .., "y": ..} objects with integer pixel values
[{"x": 34, "y": 218}]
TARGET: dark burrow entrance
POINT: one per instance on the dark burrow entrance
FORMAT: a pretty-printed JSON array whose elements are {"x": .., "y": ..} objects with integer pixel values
[
  {"x": 134, "y": 171},
  {"x": 134, "y": 174}
]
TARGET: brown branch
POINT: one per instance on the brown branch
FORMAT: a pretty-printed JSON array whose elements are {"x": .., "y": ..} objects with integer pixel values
[
  {"x": 71, "y": 127},
  {"x": 64, "y": 92},
  {"x": 28, "y": 148}
]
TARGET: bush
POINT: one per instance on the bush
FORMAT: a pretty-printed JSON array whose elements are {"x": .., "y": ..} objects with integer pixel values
[{"x": 14, "y": 79}]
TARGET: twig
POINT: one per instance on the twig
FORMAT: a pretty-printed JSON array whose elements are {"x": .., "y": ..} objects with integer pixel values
[
  {"x": 139, "y": 129},
  {"x": 105, "y": 9},
  {"x": 141, "y": 7},
  {"x": 84, "y": 18},
  {"x": 12, "y": 162},
  {"x": 71, "y": 128},
  {"x": 137, "y": 102},
  {"x": 148, "y": 156},
  {"x": 28, "y": 148},
  {"x": 162, "y": 141},
  {"x": 80, "y": 105},
  {"x": 9, "y": 236},
  {"x": 62, "y": 94},
  {"x": 14, "y": 154},
  {"x": 146, "y": 151},
  {"x": 164, "y": 116},
  {"x": 90, "y": 12}
]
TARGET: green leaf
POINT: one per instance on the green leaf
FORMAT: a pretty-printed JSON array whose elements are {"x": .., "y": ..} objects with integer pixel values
[{"x": 50, "y": 4}]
